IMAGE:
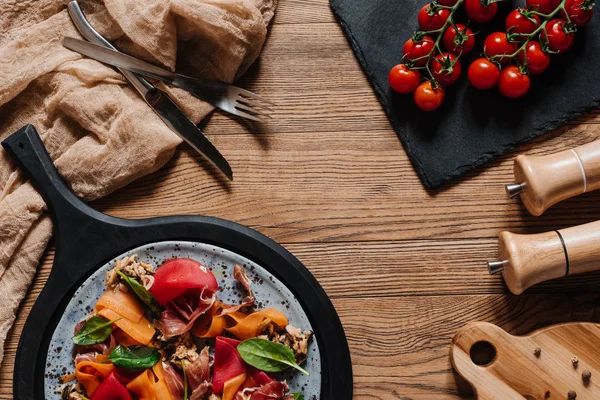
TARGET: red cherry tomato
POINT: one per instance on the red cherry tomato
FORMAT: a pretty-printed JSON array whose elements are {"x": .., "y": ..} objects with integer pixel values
[
  {"x": 513, "y": 83},
  {"x": 404, "y": 80},
  {"x": 446, "y": 68},
  {"x": 447, "y": 3},
  {"x": 480, "y": 13},
  {"x": 414, "y": 50},
  {"x": 178, "y": 275},
  {"x": 580, "y": 12},
  {"x": 428, "y": 98},
  {"x": 431, "y": 19},
  {"x": 543, "y": 6},
  {"x": 522, "y": 21},
  {"x": 458, "y": 40},
  {"x": 496, "y": 44},
  {"x": 559, "y": 39},
  {"x": 483, "y": 74},
  {"x": 537, "y": 59}
]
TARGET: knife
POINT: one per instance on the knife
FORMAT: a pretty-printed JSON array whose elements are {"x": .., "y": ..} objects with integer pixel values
[{"x": 158, "y": 100}]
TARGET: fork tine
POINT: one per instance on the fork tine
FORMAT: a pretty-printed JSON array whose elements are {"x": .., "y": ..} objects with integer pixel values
[
  {"x": 258, "y": 113},
  {"x": 246, "y": 115},
  {"x": 248, "y": 94},
  {"x": 253, "y": 104}
]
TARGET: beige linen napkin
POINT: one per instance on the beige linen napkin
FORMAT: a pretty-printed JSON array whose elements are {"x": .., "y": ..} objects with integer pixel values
[{"x": 99, "y": 132}]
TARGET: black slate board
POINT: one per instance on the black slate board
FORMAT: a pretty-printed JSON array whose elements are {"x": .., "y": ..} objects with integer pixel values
[
  {"x": 472, "y": 127},
  {"x": 86, "y": 239}
]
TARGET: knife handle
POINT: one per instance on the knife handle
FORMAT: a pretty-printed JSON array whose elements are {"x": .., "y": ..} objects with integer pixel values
[
  {"x": 546, "y": 180},
  {"x": 531, "y": 259}
]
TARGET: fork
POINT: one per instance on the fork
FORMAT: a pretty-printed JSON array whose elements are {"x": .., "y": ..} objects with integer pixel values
[{"x": 229, "y": 98}]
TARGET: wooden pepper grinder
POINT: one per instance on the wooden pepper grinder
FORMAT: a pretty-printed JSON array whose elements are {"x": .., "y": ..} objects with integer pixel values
[
  {"x": 530, "y": 259},
  {"x": 546, "y": 180}
]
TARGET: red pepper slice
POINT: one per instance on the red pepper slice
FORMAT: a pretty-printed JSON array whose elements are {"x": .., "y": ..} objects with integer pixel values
[
  {"x": 177, "y": 275},
  {"x": 228, "y": 362},
  {"x": 111, "y": 389}
]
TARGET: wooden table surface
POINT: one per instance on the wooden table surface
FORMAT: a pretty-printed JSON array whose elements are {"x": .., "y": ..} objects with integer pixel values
[{"x": 328, "y": 179}]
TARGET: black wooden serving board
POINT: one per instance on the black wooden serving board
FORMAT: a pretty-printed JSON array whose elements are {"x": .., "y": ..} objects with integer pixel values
[
  {"x": 472, "y": 127},
  {"x": 86, "y": 239}
]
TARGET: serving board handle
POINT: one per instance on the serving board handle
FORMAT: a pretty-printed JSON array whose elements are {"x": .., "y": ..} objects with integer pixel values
[
  {"x": 26, "y": 147},
  {"x": 547, "y": 364},
  {"x": 544, "y": 181},
  {"x": 78, "y": 229}
]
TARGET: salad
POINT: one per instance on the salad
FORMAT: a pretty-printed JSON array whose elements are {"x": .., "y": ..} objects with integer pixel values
[{"x": 143, "y": 339}]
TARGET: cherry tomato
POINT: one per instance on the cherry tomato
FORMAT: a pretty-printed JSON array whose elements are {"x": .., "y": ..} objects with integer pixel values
[
  {"x": 404, "y": 80},
  {"x": 431, "y": 19},
  {"x": 559, "y": 38},
  {"x": 480, "y": 13},
  {"x": 580, "y": 12},
  {"x": 458, "y": 40},
  {"x": 414, "y": 50},
  {"x": 522, "y": 21},
  {"x": 513, "y": 83},
  {"x": 537, "y": 59},
  {"x": 496, "y": 44},
  {"x": 543, "y": 6},
  {"x": 483, "y": 74},
  {"x": 428, "y": 98},
  {"x": 446, "y": 68},
  {"x": 447, "y": 3}
]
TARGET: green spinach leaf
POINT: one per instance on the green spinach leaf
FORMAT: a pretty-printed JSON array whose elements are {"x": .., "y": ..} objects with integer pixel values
[
  {"x": 268, "y": 356},
  {"x": 95, "y": 330},
  {"x": 134, "y": 357},
  {"x": 142, "y": 293},
  {"x": 297, "y": 396}
]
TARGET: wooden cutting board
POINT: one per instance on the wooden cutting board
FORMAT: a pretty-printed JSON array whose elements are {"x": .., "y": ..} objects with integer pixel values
[{"x": 536, "y": 366}]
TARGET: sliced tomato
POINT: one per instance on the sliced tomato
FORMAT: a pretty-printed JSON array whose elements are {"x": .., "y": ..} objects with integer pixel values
[
  {"x": 177, "y": 275},
  {"x": 228, "y": 363}
]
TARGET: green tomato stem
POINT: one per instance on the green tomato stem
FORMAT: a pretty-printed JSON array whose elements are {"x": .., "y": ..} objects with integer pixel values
[
  {"x": 449, "y": 22},
  {"x": 536, "y": 33}
]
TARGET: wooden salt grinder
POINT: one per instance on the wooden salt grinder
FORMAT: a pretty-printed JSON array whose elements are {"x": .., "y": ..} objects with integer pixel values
[
  {"x": 530, "y": 259},
  {"x": 543, "y": 181}
]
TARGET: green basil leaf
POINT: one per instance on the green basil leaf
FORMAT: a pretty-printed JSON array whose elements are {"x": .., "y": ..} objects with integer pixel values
[
  {"x": 142, "y": 293},
  {"x": 297, "y": 396},
  {"x": 268, "y": 356},
  {"x": 134, "y": 357},
  {"x": 95, "y": 330}
]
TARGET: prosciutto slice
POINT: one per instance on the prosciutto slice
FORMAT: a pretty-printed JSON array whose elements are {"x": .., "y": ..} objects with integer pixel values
[
  {"x": 198, "y": 372},
  {"x": 181, "y": 312},
  {"x": 240, "y": 275},
  {"x": 174, "y": 381},
  {"x": 271, "y": 391}
]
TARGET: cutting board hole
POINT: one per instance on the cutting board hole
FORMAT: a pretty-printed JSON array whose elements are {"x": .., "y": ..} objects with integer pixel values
[
  {"x": 483, "y": 353},
  {"x": 21, "y": 145}
]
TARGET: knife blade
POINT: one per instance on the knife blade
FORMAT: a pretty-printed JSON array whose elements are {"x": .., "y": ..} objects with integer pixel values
[
  {"x": 158, "y": 100},
  {"x": 179, "y": 123}
]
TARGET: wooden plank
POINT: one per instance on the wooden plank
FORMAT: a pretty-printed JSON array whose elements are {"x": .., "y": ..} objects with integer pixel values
[
  {"x": 303, "y": 11},
  {"x": 346, "y": 186}
]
